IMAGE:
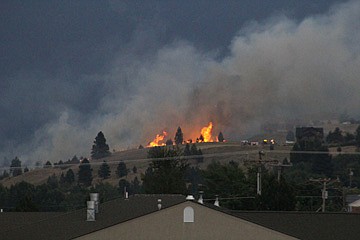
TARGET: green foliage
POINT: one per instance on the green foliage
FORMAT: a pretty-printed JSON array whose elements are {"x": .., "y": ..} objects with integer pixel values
[
  {"x": 335, "y": 137},
  {"x": 100, "y": 149},
  {"x": 179, "y": 137},
  {"x": 166, "y": 175},
  {"x": 320, "y": 159},
  {"x": 15, "y": 167},
  {"x": 70, "y": 176},
  {"x": 52, "y": 181},
  {"x": 124, "y": 186},
  {"x": 227, "y": 180},
  {"x": 357, "y": 136},
  {"x": 187, "y": 151},
  {"x": 121, "y": 170},
  {"x": 275, "y": 195},
  {"x": 134, "y": 169},
  {"x": 106, "y": 191},
  {"x": 85, "y": 173},
  {"x": 104, "y": 170},
  {"x": 26, "y": 204}
]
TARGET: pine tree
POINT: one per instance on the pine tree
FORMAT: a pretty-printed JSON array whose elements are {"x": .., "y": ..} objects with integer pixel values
[
  {"x": 221, "y": 137},
  {"x": 85, "y": 173},
  {"x": 187, "y": 151},
  {"x": 179, "y": 138},
  {"x": 70, "y": 176},
  {"x": 15, "y": 167},
  {"x": 121, "y": 170},
  {"x": 104, "y": 170},
  {"x": 48, "y": 164},
  {"x": 100, "y": 149},
  {"x": 134, "y": 169}
]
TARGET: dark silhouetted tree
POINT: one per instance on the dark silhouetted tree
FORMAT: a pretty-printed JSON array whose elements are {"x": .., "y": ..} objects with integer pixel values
[
  {"x": 70, "y": 176},
  {"x": 85, "y": 173},
  {"x": 52, "y": 181},
  {"x": 179, "y": 137},
  {"x": 187, "y": 151},
  {"x": 166, "y": 175},
  {"x": 15, "y": 167},
  {"x": 124, "y": 186},
  {"x": 357, "y": 136},
  {"x": 26, "y": 169},
  {"x": 169, "y": 142},
  {"x": 134, "y": 169},
  {"x": 48, "y": 164},
  {"x": 135, "y": 186},
  {"x": 121, "y": 170},
  {"x": 221, "y": 137},
  {"x": 335, "y": 137},
  {"x": 104, "y": 170},
  {"x": 100, "y": 149}
]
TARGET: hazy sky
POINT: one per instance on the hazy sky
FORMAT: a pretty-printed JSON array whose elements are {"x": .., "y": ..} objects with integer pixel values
[{"x": 69, "y": 69}]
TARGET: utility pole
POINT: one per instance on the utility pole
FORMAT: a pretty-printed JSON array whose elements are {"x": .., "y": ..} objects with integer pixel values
[
  {"x": 324, "y": 192},
  {"x": 280, "y": 166},
  {"x": 260, "y": 163}
]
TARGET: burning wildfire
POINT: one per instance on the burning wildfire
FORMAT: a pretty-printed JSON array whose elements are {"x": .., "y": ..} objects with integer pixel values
[
  {"x": 206, "y": 136},
  {"x": 158, "y": 141},
  {"x": 206, "y": 133}
]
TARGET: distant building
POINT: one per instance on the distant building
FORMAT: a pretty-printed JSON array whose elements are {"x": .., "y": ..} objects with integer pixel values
[{"x": 313, "y": 133}]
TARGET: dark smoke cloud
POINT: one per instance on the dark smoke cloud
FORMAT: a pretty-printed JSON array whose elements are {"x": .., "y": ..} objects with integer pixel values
[{"x": 275, "y": 69}]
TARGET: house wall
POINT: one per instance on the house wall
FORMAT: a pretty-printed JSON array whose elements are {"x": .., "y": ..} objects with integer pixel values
[{"x": 168, "y": 224}]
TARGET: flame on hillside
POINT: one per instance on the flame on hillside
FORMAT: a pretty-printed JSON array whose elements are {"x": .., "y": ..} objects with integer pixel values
[
  {"x": 205, "y": 136},
  {"x": 158, "y": 141},
  {"x": 206, "y": 133}
]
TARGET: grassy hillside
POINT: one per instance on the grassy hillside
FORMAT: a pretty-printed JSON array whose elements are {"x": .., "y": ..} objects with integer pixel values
[{"x": 223, "y": 152}]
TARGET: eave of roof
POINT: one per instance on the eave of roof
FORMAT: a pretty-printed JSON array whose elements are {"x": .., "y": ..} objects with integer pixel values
[{"x": 73, "y": 224}]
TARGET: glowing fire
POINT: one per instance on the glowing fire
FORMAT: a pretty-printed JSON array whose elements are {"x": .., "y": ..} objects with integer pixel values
[
  {"x": 158, "y": 140},
  {"x": 206, "y": 136},
  {"x": 206, "y": 133}
]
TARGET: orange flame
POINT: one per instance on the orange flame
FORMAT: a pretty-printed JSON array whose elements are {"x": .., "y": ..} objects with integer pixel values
[
  {"x": 158, "y": 140},
  {"x": 206, "y": 132}
]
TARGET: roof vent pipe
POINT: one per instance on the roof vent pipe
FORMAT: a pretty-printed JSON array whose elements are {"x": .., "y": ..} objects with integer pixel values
[
  {"x": 190, "y": 197},
  {"x": 201, "y": 200},
  {"x": 126, "y": 194},
  {"x": 95, "y": 197},
  {"x": 216, "y": 203},
  {"x": 159, "y": 204},
  {"x": 90, "y": 216}
]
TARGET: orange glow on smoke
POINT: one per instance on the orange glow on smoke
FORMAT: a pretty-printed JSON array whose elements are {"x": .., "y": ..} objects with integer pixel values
[
  {"x": 158, "y": 141},
  {"x": 206, "y": 132}
]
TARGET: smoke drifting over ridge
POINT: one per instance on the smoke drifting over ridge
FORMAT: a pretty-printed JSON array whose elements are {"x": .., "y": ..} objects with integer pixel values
[{"x": 278, "y": 69}]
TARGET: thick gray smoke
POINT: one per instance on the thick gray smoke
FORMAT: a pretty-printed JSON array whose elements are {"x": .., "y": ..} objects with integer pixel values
[{"x": 276, "y": 70}]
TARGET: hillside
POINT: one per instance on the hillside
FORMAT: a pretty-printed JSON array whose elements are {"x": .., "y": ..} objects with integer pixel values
[{"x": 223, "y": 152}]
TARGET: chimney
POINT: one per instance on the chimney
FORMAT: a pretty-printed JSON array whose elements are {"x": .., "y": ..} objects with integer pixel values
[
  {"x": 201, "y": 200},
  {"x": 216, "y": 203},
  {"x": 95, "y": 197},
  {"x": 90, "y": 216},
  {"x": 159, "y": 204}
]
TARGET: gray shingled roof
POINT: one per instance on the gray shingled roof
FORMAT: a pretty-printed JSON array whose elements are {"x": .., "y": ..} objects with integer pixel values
[
  {"x": 73, "y": 224},
  {"x": 302, "y": 225},
  {"x": 307, "y": 225}
]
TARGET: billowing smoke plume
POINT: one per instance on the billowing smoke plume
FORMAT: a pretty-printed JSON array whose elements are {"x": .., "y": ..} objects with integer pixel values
[{"x": 276, "y": 70}]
